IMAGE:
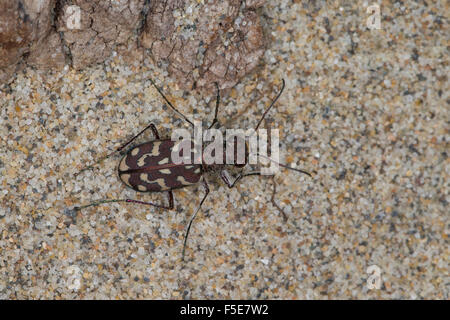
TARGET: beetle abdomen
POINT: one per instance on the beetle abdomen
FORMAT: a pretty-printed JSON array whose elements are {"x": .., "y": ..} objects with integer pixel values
[{"x": 149, "y": 168}]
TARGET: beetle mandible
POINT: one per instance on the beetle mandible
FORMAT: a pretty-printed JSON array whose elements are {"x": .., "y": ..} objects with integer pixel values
[{"x": 148, "y": 167}]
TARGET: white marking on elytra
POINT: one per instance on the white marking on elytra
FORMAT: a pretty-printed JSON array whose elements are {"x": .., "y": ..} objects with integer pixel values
[
  {"x": 126, "y": 179},
  {"x": 183, "y": 181},
  {"x": 197, "y": 170},
  {"x": 161, "y": 182},
  {"x": 141, "y": 161},
  {"x": 141, "y": 187},
  {"x": 189, "y": 167},
  {"x": 164, "y": 161},
  {"x": 154, "y": 153},
  {"x": 135, "y": 151},
  {"x": 123, "y": 166},
  {"x": 155, "y": 150},
  {"x": 165, "y": 171}
]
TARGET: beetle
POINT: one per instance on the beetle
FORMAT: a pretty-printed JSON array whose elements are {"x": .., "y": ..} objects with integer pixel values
[{"x": 148, "y": 167}]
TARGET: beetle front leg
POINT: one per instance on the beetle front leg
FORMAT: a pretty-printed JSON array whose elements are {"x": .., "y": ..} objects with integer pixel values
[
  {"x": 150, "y": 126},
  {"x": 225, "y": 176},
  {"x": 170, "y": 104}
]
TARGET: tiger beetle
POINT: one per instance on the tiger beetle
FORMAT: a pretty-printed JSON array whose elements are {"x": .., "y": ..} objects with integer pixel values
[{"x": 148, "y": 167}]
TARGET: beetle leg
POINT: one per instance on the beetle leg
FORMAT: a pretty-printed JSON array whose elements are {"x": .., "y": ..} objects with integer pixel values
[
  {"x": 169, "y": 207},
  {"x": 151, "y": 126},
  {"x": 271, "y": 105},
  {"x": 99, "y": 202},
  {"x": 170, "y": 104},
  {"x": 194, "y": 215},
  {"x": 224, "y": 175},
  {"x": 272, "y": 200}
]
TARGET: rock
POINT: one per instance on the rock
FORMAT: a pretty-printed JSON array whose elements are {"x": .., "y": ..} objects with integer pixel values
[
  {"x": 104, "y": 27},
  {"x": 218, "y": 41},
  {"x": 254, "y": 3},
  {"x": 227, "y": 63},
  {"x": 48, "y": 53},
  {"x": 24, "y": 25}
]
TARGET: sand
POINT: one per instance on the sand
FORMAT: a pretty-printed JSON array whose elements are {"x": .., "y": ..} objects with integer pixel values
[{"x": 366, "y": 111}]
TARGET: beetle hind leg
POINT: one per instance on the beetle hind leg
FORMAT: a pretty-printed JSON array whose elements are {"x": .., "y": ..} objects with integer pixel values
[
  {"x": 169, "y": 207},
  {"x": 99, "y": 202}
]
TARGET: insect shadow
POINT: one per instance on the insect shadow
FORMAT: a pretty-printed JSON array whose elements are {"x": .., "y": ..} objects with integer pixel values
[{"x": 148, "y": 167}]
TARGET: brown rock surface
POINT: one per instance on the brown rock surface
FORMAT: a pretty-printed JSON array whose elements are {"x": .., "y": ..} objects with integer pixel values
[
  {"x": 24, "y": 27},
  {"x": 219, "y": 41},
  {"x": 48, "y": 53},
  {"x": 104, "y": 27}
]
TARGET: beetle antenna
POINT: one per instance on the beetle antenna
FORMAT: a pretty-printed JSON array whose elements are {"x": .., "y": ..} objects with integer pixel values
[
  {"x": 92, "y": 166},
  {"x": 284, "y": 166},
  {"x": 271, "y": 105},
  {"x": 170, "y": 104}
]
